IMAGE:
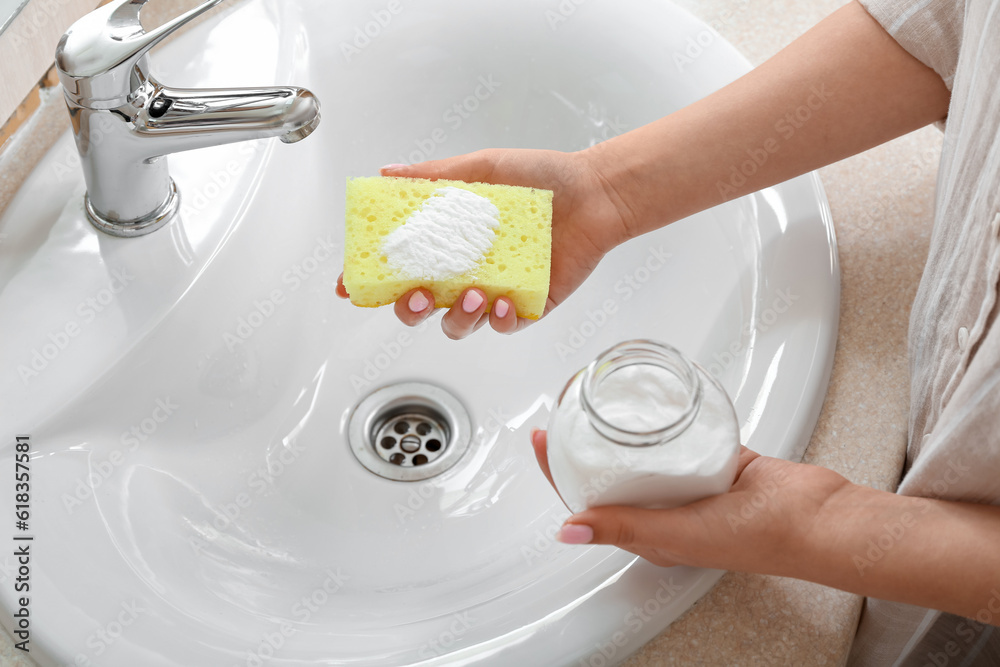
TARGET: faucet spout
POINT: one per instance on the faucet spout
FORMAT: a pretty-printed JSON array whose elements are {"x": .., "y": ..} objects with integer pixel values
[{"x": 178, "y": 119}]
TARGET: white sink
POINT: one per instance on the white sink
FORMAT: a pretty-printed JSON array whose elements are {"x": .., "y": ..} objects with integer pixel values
[{"x": 194, "y": 500}]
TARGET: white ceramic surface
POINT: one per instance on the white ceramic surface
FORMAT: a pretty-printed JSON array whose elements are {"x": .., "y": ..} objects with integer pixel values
[{"x": 194, "y": 501}]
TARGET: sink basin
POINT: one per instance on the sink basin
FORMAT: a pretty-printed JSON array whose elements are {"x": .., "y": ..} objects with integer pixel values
[{"x": 194, "y": 498}]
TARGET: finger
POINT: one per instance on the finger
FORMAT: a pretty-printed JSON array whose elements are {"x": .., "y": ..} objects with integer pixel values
[
  {"x": 663, "y": 537},
  {"x": 539, "y": 441},
  {"x": 630, "y": 528},
  {"x": 503, "y": 316},
  {"x": 466, "y": 315},
  {"x": 476, "y": 166},
  {"x": 746, "y": 456},
  {"x": 414, "y": 307},
  {"x": 341, "y": 290}
]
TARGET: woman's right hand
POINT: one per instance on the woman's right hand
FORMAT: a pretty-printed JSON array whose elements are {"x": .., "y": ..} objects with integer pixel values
[{"x": 587, "y": 222}]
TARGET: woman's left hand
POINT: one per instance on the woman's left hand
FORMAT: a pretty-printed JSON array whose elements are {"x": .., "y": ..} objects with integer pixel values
[{"x": 754, "y": 527}]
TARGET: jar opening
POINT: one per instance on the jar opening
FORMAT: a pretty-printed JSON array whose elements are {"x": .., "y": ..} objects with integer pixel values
[{"x": 641, "y": 393}]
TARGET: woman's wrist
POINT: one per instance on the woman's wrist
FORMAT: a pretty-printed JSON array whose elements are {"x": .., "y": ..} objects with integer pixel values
[
  {"x": 618, "y": 168},
  {"x": 821, "y": 542},
  {"x": 850, "y": 543}
]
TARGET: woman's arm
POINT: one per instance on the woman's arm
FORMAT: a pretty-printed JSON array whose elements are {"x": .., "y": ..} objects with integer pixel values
[
  {"x": 843, "y": 87},
  {"x": 931, "y": 553}
]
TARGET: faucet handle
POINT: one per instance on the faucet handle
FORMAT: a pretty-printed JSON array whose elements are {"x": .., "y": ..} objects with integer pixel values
[{"x": 100, "y": 58}]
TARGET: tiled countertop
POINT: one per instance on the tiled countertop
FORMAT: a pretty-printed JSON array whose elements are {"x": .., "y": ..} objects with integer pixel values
[{"x": 882, "y": 204}]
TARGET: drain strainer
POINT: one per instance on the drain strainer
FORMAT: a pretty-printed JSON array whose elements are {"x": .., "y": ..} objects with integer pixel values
[{"x": 409, "y": 431}]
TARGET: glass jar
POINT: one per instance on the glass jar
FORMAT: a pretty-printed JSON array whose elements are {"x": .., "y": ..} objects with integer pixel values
[{"x": 642, "y": 425}]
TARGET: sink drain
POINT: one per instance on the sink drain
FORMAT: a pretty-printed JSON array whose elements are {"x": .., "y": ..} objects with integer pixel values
[{"x": 409, "y": 431}]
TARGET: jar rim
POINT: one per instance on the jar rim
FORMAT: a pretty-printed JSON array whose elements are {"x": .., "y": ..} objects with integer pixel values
[{"x": 649, "y": 352}]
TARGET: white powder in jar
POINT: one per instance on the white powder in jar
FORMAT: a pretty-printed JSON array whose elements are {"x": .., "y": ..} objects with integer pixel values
[
  {"x": 446, "y": 238},
  {"x": 590, "y": 470},
  {"x": 640, "y": 397}
]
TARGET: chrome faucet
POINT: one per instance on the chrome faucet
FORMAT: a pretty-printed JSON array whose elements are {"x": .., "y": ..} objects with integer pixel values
[{"x": 126, "y": 123}]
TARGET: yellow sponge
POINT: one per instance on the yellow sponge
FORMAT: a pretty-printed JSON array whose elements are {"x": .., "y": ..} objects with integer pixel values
[{"x": 516, "y": 267}]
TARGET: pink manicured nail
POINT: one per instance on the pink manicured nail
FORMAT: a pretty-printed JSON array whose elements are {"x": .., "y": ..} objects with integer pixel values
[
  {"x": 574, "y": 533},
  {"x": 472, "y": 301},
  {"x": 418, "y": 302},
  {"x": 392, "y": 167},
  {"x": 501, "y": 308}
]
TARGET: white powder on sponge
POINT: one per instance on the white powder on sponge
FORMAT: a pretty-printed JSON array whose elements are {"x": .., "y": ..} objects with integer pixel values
[{"x": 446, "y": 238}]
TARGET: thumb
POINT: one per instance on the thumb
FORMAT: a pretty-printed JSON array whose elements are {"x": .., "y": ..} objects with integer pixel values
[
  {"x": 472, "y": 167},
  {"x": 629, "y": 528}
]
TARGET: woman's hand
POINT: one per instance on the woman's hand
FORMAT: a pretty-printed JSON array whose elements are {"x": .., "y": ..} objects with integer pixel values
[
  {"x": 756, "y": 526},
  {"x": 587, "y": 222},
  {"x": 686, "y": 161}
]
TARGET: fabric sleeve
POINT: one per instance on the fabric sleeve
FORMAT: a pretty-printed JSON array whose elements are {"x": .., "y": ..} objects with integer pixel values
[{"x": 930, "y": 30}]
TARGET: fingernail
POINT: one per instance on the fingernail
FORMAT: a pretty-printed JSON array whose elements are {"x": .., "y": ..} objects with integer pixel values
[
  {"x": 418, "y": 302},
  {"x": 500, "y": 308},
  {"x": 574, "y": 533},
  {"x": 472, "y": 301},
  {"x": 392, "y": 167}
]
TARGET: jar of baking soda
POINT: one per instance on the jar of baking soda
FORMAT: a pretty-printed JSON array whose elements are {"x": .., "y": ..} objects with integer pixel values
[{"x": 642, "y": 425}]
